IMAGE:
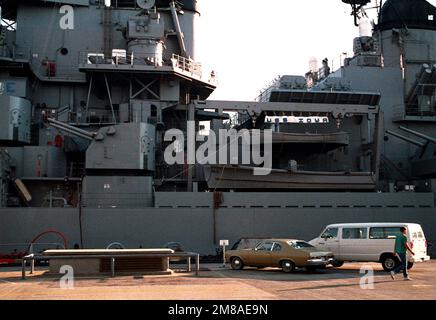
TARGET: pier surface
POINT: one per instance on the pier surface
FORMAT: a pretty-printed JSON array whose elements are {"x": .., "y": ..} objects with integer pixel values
[{"x": 216, "y": 283}]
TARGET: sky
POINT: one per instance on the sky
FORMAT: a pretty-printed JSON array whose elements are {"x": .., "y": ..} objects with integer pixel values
[{"x": 248, "y": 43}]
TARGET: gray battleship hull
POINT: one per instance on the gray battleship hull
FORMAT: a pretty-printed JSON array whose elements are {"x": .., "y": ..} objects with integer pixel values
[{"x": 197, "y": 222}]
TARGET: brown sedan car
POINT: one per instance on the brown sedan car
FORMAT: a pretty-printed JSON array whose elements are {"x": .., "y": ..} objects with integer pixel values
[{"x": 282, "y": 253}]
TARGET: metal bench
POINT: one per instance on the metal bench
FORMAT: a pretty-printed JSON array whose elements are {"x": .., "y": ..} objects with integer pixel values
[{"x": 113, "y": 256}]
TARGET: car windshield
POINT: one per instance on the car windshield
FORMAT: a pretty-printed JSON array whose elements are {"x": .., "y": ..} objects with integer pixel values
[{"x": 299, "y": 244}]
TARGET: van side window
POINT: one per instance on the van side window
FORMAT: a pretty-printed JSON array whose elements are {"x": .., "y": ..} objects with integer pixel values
[
  {"x": 354, "y": 233},
  {"x": 420, "y": 235},
  {"x": 384, "y": 233},
  {"x": 330, "y": 233}
]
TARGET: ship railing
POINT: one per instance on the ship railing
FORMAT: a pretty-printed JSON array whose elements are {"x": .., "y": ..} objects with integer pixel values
[
  {"x": 131, "y": 4},
  {"x": 187, "y": 65},
  {"x": 402, "y": 112},
  {"x": 121, "y": 59},
  {"x": 117, "y": 58},
  {"x": 265, "y": 93},
  {"x": 99, "y": 117},
  {"x": 123, "y": 3},
  {"x": 90, "y": 116},
  {"x": 420, "y": 111}
]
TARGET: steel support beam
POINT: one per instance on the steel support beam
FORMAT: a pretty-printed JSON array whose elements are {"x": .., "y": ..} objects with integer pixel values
[
  {"x": 144, "y": 88},
  {"x": 110, "y": 98},
  {"x": 191, "y": 118},
  {"x": 407, "y": 139},
  {"x": 89, "y": 97},
  {"x": 378, "y": 142},
  {"x": 259, "y": 107},
  {"x": 419, "y": 134}
]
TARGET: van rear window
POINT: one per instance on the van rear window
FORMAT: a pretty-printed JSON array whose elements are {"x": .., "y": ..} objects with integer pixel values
[{"x": 384, "y": 233}]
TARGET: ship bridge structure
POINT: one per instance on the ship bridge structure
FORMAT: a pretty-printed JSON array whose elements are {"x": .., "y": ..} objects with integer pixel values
[{"x": 396, "y": 59}]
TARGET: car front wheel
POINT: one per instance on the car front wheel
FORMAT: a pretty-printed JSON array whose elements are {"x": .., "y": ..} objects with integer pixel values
[
  {"x": 337, "y": 263},
  {"x": 237, "y": 263},
  {"x": 288, "y": 266},
  {"x": 409, "y": 265}
]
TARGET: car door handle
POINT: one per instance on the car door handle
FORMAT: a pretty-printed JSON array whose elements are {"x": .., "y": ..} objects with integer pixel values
[{"x": 336, "y": 240}]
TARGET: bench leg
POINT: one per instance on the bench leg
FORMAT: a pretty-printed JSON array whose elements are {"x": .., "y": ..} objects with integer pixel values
[
  {"x": 197, "y": 264},
  {"x": 23, "y": 269},
  {"x": 32, "y": 266},
  {"x": 113, "y": 267}
]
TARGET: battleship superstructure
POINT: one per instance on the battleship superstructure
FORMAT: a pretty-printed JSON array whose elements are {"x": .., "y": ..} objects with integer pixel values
[{"x": 88, "y": 90}]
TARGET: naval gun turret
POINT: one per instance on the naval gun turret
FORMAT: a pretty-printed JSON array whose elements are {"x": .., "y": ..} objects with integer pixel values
[
  {"x": 120, "y": 161},
  {"x": 115, "y": 148}
]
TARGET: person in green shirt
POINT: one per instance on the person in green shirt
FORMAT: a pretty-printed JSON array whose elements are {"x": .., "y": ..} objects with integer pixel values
[{"x": 401, "y": 248}]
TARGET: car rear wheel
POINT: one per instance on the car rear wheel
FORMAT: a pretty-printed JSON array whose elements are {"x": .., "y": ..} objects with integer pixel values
[
  {"x": 409, "y": 265},
  {"x": 337, "y": 263},
  {"x": 389, "y": 263},
  {"x": 288, "y": 266},
  {"x": 237, "y": 263}
]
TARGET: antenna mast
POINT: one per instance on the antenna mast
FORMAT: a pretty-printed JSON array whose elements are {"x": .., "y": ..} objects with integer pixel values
[{"x": 357, "y": 9}]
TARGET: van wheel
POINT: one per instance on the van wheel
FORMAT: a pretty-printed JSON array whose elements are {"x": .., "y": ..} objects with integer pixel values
[
  {"x": 288, "y": 266},
  {"x": 337, "y": 263},
  {"x": 409, "y": 265},
  {"x": 237, "y": 263},
  {"x": 389, "y": 263}
]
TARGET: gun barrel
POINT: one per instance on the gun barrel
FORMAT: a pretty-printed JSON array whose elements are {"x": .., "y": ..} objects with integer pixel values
[
  {"x": 74, "y": 133},
  {"x": 418, "y": 134},
  {"x": 412, "y": 141},
  {"x": 71, "y": 129}
]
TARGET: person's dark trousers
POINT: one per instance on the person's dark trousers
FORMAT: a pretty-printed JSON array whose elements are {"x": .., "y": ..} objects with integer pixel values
[{"x": 403, "y": 265}]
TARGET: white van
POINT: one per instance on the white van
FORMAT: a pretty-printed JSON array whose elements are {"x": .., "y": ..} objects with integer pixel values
[{"x": 371, "y": 242}]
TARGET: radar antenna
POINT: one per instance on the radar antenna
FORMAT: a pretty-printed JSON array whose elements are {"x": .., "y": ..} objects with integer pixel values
[
  {"x": 146, "y": 4},
  {"x": 357, "y": 9}
]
